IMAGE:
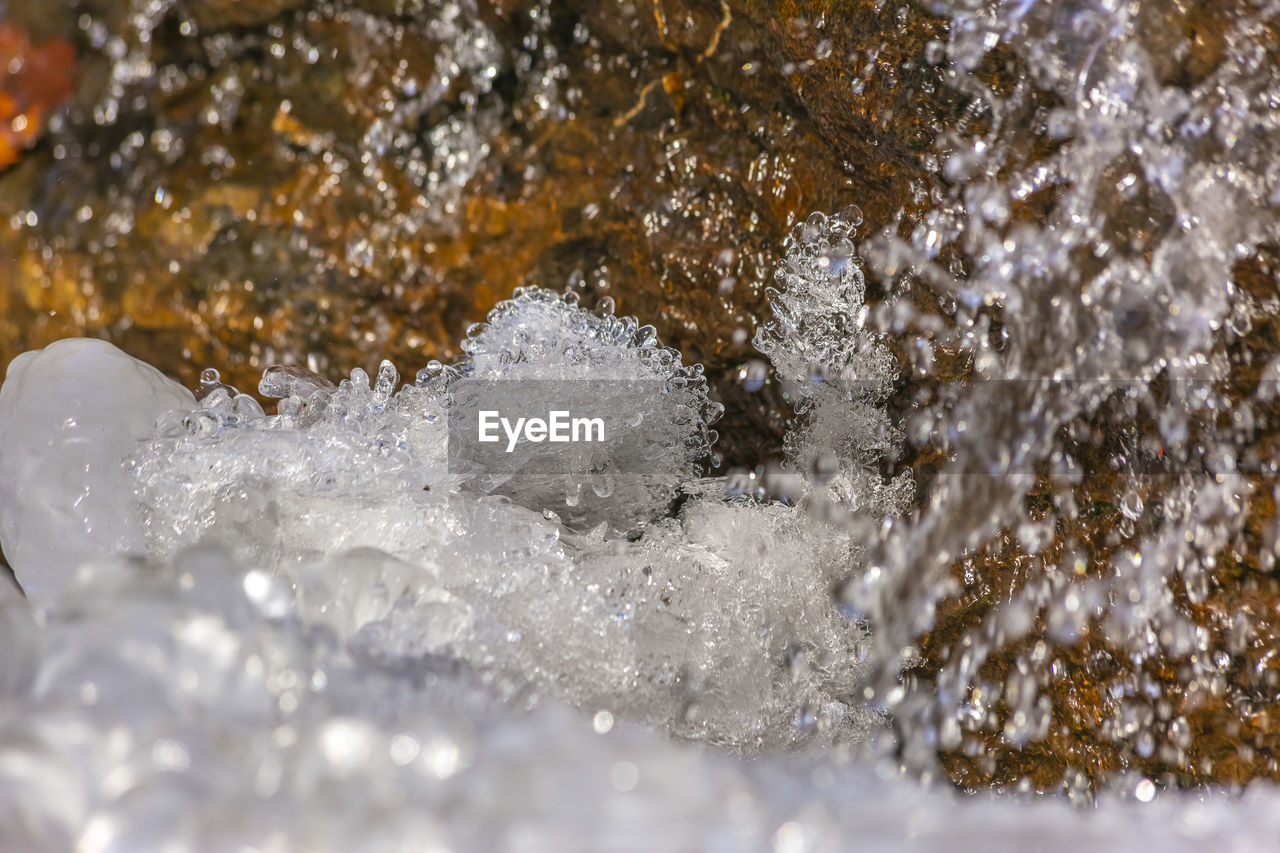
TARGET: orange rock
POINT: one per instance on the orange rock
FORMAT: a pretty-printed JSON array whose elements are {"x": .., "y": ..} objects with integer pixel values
[{"x": 33, "y": 80}]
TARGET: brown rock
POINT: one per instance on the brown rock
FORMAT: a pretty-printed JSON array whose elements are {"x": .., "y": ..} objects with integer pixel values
[{"x": 34, "y": 78}]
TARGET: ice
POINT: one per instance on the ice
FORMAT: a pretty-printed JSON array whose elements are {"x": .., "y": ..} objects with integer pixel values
[
  {"x": 69, "y": 414},
  {"x": 320, "y": 649},
  {"x": 253, "y": 730},
  {"x": 173, "y": 708},
  {"x": 836, "y": 372},
  {"x": 346, "y": 507},
  {"x": 717, "y": 664},
  {"x": 325, "y": 635},
  {"x": 20, "y": 638},
  {"x": 325, "y": 595},
  {"x": 568, "y": 357},
  {"x": 819, "y": 313}
]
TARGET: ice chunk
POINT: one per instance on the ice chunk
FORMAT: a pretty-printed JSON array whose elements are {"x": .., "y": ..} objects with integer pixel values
[
  {"x": 69, "y": 414},
  {"x": 568, "y": 358},
  {"x": 370, "y": 592},
  {"x": 715, "y": 662},
  {"x": 364, "y": 465},
  {"x": 817, "y": 334},
  {"x": 281, "y": 381},
  {"x": 538, "y": 334}
]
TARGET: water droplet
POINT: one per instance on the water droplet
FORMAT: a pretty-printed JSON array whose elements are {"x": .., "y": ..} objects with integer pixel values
[{"x": 753, "y": 374}]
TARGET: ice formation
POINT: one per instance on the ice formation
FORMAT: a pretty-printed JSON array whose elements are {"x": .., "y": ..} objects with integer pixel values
[
  {"x": 68, "y": 414},
  {"x": 836, "y": 371},
  {"x": 345, "y": 506},
  {"x": 563, "y": 357},
  {"x": 188, "y": 705},
  {"x": 325, "y": 636}
]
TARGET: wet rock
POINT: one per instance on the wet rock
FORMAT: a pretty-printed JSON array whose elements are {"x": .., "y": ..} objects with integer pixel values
[
  {"x": 34, "y": 79},
  {"x": 346, "y": 181},
  {"x": 1123, "y": 622},
  {"x": 220, "y": 14}
]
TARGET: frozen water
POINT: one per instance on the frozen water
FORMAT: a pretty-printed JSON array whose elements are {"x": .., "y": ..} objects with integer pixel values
[
  {"x": 337, "y": 641},
  {"x": 20, "y": 638},
  {"x": 69, "y": 415},
  {"x": 570, "y": 359},
  {"x": 346, "y": 497},
  {"x": 321, "y": 649},
  {"x": 836, "y": 372},
  {"x": 385, "y": 590}
]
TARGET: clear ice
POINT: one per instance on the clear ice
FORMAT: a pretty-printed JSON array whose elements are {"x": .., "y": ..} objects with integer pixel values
[{"x": 106, "y": 403}]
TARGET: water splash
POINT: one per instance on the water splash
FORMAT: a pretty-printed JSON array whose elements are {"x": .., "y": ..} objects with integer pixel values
[{"x": 1084, "y": 361}]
